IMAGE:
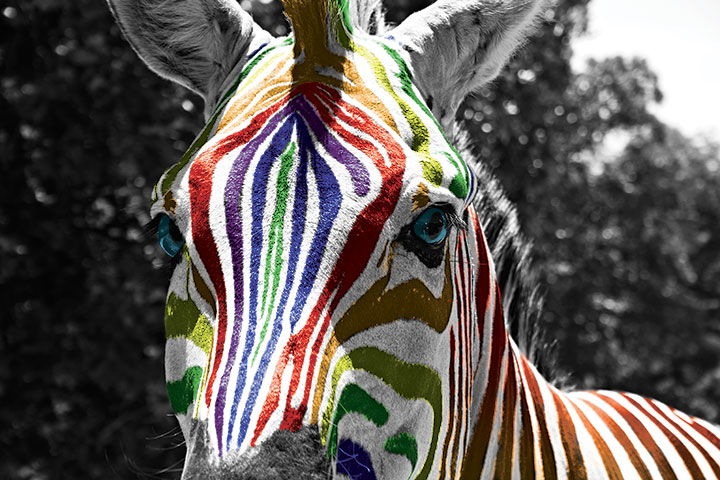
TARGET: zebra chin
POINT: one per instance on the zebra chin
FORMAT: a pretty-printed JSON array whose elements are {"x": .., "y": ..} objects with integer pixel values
[{"x": 284, "y": 455}]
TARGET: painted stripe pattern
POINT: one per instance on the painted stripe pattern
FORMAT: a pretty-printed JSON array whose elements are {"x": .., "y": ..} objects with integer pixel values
[{"x": 301, "y": 299}]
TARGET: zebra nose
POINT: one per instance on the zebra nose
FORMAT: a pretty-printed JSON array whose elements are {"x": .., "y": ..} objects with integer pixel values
[{"x": 285, "y": 455}]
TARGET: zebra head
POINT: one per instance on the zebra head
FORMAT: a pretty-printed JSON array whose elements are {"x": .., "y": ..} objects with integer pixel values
[{"x": 330, "y": 269}]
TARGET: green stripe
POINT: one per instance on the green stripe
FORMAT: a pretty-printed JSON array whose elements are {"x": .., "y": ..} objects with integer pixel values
[
  {"x": 182, "y": 393},
  {"x": 405, "y": 78},
  {"x": 354, "y": 399},
  {"x": 275, "y": 242},
  {"x": 345, "y": 30},
  {"x": 460, "y": 183},
  {"x": 403, "y": 444},
  {"x": 410, "y": 380}
]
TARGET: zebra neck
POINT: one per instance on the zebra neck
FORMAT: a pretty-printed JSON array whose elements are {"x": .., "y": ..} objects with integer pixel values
[{"x": 507, "y": 387}]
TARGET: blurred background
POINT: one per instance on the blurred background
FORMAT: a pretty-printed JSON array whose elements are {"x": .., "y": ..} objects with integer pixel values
[{"x": 620, "y": 196}]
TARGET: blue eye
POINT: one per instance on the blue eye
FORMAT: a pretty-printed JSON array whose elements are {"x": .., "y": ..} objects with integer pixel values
[
  {"x": 170, "y": 239},
  {"x": 431, "y": 226}
]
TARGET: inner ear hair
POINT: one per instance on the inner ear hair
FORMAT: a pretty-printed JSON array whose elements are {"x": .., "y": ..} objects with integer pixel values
[
  {"x": 456, "y": 47},
  {"x": 195, "y": 43}
]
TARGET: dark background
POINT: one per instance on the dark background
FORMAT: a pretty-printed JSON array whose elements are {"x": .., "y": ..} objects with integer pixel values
[{"x": 628, "y": 244}]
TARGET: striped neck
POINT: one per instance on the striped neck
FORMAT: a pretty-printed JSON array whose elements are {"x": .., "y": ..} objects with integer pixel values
[{"x": 526, "y": 428}]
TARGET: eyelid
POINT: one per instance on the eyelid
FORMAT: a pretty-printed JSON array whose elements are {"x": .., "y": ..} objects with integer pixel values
[
  {"x": 152, "y": 230},
  {"x": 453, "y": 218}
]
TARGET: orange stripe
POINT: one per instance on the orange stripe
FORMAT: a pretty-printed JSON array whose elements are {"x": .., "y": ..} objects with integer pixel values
[
  {"x": 709, "y": 435},
  {"x": 451, "y": 407},
  {"x": 568, "y": 435},
  {"x": 546, "y": 450},
  {"x": 461, "y": 403},
  {"x": 503, "y": 464},
  {"x": 623, "y": 439},
  {"x": 681, "y": 449},
  {"x": 611, "y": 466},
  {"x": 645, "y": 438},
  {"x": 677, "y": 422},
  {"x": 527, "y": 450}
]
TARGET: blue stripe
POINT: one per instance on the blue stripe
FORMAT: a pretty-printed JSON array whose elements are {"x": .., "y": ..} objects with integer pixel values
[
  {"x": 277, "y": 146},
  {"x": 329, "y": 201}
]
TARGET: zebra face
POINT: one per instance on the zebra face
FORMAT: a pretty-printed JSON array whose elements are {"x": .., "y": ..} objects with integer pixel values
[
  {"x": 329, "y": 272},
  {"x": 316, "y": 224},
  {"x": 331, "y": 277}
]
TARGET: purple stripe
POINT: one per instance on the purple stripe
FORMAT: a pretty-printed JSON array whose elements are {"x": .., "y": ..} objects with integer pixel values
[
  {"x": 358, "y": 173},
  {"x": 233, "y": 193},
  {"x": 234, "y": 226}
]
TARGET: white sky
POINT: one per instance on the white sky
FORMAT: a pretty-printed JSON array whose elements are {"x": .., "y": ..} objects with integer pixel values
[{"x": 680, "y": 40}]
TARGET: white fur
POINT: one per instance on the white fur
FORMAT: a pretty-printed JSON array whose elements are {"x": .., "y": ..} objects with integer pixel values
[
  {"x": 195, "y": 43},
  {"x": 457, "y": 46}
]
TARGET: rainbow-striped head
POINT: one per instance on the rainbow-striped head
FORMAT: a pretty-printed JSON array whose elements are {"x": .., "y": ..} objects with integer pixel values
[{"x": 330, "y": 267}]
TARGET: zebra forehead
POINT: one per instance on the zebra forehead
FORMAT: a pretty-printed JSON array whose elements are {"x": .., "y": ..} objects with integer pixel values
[{"x": 359, "y": 103}]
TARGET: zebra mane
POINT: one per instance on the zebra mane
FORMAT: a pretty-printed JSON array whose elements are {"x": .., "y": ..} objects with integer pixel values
[
  {"x": 364, "y": 15},
  {"x": 367, "y": 16}
]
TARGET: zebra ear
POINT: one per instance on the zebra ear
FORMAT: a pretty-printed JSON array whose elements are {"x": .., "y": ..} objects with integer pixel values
[
  {"x": 456, "y": 46},
  {"x": 195, "y": 43}
]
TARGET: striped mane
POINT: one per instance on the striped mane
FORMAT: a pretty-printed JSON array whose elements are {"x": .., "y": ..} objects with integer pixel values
[
  {"x": 319, "y": 29},
  {"x": 319, "y": 25}
]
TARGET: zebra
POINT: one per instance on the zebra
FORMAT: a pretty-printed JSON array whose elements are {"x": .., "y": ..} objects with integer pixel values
[{"x": 335, "y": 306}]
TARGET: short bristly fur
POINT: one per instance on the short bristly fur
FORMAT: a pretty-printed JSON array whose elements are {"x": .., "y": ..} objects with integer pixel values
[
  {"x": 196, "y": 43},
  {"x": 456, "y": 47}
]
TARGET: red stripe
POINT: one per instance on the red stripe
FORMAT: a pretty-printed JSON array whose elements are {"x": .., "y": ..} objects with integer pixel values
[
  {"x": 201, "y": 186},
  {"x": 352, "y": 261},
  {"x": 475, "y": 453}
]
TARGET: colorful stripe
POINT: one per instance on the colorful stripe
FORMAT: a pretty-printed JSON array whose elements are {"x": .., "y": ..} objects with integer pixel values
[{"x": 299, "y": 298}]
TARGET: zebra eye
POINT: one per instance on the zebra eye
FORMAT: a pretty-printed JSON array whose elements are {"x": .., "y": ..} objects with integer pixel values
[
  {"x": 431, "y": 226},
  {"x": 169, "y": 235},
  {"x": 426, "y": 235}
]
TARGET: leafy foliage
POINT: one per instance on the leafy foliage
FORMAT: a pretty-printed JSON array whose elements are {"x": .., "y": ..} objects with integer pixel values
[{"x": 627, "y": 239}]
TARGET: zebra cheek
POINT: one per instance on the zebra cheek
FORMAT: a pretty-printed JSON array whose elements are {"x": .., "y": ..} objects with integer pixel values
[{"x": 188, "y": 337}]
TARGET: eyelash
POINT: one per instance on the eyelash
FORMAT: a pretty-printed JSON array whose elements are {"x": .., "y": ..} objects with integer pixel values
[{"x": 455, "y": 220}]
